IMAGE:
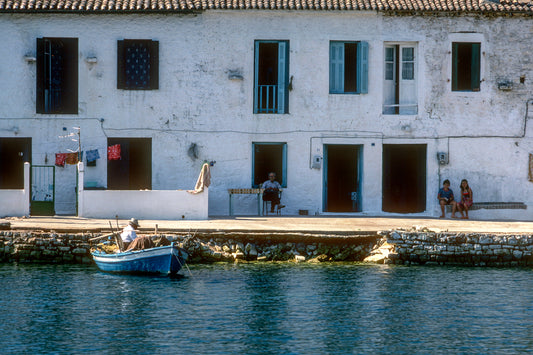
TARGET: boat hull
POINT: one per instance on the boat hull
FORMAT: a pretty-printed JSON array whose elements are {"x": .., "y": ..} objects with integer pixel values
[{"x": 161, "y": 260}]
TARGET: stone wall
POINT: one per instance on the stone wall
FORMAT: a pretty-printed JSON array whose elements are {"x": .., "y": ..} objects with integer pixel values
[
  {"x": 390, "y": 247},
  {"x": 422, "y": 247},
  {"x": 45, "y": 247},
  {"x": 202, "y": 247}
]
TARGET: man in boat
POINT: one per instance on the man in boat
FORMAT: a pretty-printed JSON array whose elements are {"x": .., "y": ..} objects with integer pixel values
[
  {"x": 130, "y": 239},
  {"x": 128, "y": 234}
]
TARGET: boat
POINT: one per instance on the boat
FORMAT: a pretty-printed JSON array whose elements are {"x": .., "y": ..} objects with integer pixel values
[{"x": 164, "y": 260}]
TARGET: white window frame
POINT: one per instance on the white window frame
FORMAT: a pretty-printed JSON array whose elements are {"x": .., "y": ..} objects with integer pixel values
[{"x": 400, "y": 93}]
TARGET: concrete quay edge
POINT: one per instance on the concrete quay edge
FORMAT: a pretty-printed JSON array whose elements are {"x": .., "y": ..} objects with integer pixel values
[{"x": 334, "y": 226}]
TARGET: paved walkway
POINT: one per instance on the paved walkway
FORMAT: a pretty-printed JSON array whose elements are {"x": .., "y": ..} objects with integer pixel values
[{"x": 315, "y": 224}]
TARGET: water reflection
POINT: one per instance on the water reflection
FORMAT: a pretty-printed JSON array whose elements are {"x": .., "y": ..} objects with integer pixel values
[{"x": 267, "y": 308}]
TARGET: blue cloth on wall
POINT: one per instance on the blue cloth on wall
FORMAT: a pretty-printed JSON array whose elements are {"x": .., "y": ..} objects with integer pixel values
[{"x": 92, "y": 155}]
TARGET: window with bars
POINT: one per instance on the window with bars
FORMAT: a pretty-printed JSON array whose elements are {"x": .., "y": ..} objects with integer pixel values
[
  {"x": 348, "y": 67},
  {"x": 271, "y": 88},
  {"x": 138, "y": 64},
  {"x": 57, "y": 76}
]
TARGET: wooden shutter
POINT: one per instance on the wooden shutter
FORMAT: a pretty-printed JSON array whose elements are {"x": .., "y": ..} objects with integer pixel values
[
  {"x": 475, "y": 67},
  {"x": 283, "y": 66},
  {"x": 120, "y": 65},
  {"x": 256, "y": 78},
  {"x": 362, "y": 68},
  {"x": 154, "y": 65},
  {"x": 455, "y": 66},
  {"x": 69, "y": 95},
  {"x": 39, "y": 99},
  {"x": 336, "y": 67}
]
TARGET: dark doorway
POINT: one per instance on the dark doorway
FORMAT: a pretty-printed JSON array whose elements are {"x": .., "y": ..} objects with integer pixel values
[
  {"x": 14, "y": 152},
  {"x": 404, "y": 178},
  {"x": 342, "y": 178},
  {"x": 269, "y": 157},
  {"x": 134, "y": 169}
]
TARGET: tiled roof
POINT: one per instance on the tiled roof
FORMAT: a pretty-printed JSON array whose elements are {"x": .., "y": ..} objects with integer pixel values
[{"x": 124, "y": 6}]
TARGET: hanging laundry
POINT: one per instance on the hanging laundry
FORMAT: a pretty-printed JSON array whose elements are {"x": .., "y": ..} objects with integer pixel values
[
  {"x": 72, "y": 158},
  {"x": 92, "y": 155},
  {"x": 113, "y": 152},
  {"x": 60, "y": 159}
]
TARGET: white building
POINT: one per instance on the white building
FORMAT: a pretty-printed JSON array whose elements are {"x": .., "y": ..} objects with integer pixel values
[{"x": 359, "y": 107}]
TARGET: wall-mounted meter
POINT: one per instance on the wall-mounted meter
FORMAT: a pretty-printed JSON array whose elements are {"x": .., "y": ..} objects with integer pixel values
[
  {"x": 442, "y": 158},
  {"x": 316, "y": 163}
]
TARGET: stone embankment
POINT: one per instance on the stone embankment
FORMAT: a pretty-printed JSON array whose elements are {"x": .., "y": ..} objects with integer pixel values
[
  {"x": 424, "y": 246},
  {"x": 419, "y": 246},
  {"x": 202, "y": 247}
]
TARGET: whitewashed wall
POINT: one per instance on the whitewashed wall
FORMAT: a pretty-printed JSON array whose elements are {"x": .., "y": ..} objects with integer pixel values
[{"x": 198, "y": 103}]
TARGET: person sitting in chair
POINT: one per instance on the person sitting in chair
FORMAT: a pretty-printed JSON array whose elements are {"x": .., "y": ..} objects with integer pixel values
[{"x": 271, "y": 193}]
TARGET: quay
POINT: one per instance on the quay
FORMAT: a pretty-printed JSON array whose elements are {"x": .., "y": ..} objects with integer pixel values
[
  {"x": 311, "y": 239},
  {"x": 324, "y": 224}
]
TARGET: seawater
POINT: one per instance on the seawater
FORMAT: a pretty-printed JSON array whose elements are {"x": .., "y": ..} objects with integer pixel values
[{"x": 267, "y": 308}]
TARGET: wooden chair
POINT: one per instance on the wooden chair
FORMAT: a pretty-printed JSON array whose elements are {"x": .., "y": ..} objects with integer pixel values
[{"x": 267, "y": 204}]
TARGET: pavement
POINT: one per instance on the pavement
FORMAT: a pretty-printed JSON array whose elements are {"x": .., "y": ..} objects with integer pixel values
[{"x": 279, "y": 224}]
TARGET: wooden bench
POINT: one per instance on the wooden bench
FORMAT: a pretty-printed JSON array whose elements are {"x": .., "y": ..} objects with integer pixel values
[
  {"x": 493, "y": 206},
  {"x": 258, "y": 192}
]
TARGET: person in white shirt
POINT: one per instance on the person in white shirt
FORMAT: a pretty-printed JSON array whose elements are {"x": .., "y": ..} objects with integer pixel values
[
  {"x": 271, "y": 193},
  {"x": 128, "y": 234}
]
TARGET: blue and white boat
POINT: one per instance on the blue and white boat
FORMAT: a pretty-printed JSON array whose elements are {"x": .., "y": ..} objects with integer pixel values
[{"x": 165, "y": 260}]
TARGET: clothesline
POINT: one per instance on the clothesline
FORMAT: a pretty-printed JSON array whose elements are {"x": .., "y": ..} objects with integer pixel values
[{"x": 113, "y": 153}]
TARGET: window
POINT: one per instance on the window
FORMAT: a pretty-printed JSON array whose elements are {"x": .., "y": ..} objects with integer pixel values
[
  {"x": 133, "y": 171},
  {"x": 465, "y": 66},
  {"x": 271, "y": 77},
  {"x": 400, "y": 89},
  {"x": 57, "y": 75},
  {"x": 14, "y": 152},
  {"x": 348, "y": 67},
  {"x": 138, "y": 64},
  {"x": 268, "y": 157}
]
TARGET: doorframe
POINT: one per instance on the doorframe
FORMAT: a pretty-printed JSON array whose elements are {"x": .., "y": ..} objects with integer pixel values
[{"x": 359, "y": 176}]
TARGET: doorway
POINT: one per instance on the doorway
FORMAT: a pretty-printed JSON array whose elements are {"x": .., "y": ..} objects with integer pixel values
[
  {"x": 404, "y": 178},
  {"x": 342, "y": 182}
]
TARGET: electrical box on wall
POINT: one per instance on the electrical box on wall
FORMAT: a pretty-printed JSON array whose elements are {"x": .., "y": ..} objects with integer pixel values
[
  {"x": 442, "y": 158},
  {"x": 317, "y": 162}
]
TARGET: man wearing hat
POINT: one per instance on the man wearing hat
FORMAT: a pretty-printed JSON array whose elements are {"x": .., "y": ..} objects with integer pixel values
[{"x": 128, "y": 234}]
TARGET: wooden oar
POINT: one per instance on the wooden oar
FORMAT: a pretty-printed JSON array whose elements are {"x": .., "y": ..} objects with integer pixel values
[
  {"x": 118, "y": 240},
  {"x": 101, "y": 237}
]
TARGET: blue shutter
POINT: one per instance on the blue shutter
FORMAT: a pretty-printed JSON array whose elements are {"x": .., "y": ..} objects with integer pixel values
[
  {"x": 336, "y": 67},
  {"x": 284, "y": 166},
  {"x": 256, "y": 78},
  {"x": 455, "y": 66},
  {"x": 362, "y": 68},
  {"x": 475, "y": 67},
  {"x": 282, "y": 76}
]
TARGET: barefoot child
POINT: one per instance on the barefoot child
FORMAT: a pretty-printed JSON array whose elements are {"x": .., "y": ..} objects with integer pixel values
[
  {"x": 445, "y": 197},
  {"x": 466, "y": 199}
]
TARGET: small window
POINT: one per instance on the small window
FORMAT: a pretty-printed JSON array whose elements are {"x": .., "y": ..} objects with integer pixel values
[
  {"x": 271, "y": 77},
  {"x": 348, "y": 67},
  {"x": 137, "y": 64},
  {"x": 57, "y": 76},
  {"x": 465, "y": 66},
  {"x": 133, "y": 169},
  {"x": 269, "y": 157}
]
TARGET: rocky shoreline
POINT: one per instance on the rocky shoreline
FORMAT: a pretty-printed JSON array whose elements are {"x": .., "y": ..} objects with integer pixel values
[{"x": 419, "y": 246}]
